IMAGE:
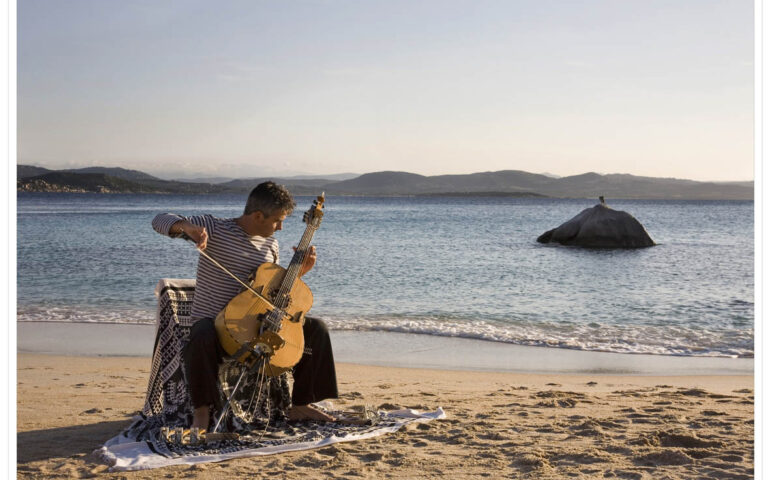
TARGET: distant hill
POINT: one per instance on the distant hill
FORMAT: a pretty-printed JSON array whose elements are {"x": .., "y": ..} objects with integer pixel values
[
  {"x": 66, "y": 181},
  {"x": 172, "y": 186},
  {"x": 631, "y": 186},
  {"x": 504, "y": 182},
  {"x": 300, "y": 186},
  {"x": 743, "y": 184},
  {"x": 298, "y": 179},
  {"x": 27, "y": 171},
  {"x": 59, "y": 181},
  {"x": 24, "y": 171},
  {"x": 132, "y": 175},
  {"x": 336, "y": 177},
  {"x": 389, "y": 183},
  {"x": 214, "y": 180},
  {"x": 590, "y": 185},
  {"x": 249, "y": 183},
  {"x": 381, "y": 183}
]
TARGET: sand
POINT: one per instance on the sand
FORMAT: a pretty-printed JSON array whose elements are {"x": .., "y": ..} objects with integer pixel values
[{"x": 499, "y": 425}]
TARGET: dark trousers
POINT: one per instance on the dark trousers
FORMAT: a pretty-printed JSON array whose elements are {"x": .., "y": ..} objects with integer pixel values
[{"x": 314, "y": 376}]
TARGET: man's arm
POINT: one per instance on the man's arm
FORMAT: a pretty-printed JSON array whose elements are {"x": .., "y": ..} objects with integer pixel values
[
  {"x": 199, "y": 234},
  {"x": 175, "y": 226}
]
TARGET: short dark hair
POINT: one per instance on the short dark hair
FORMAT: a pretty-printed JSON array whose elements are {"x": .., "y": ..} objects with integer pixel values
[{"x": 269, "y": 198}]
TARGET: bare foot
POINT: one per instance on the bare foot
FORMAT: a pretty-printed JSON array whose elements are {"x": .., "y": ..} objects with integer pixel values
[
  {"x": 201, "y": 418},
  {"x": 308, "y": 412}
]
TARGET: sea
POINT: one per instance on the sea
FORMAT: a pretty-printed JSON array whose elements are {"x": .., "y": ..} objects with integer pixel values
[{"x": 438, "y": 266}]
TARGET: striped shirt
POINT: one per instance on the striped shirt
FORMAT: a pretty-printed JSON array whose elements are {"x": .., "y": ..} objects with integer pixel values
[{"x": 229, "y": 245}]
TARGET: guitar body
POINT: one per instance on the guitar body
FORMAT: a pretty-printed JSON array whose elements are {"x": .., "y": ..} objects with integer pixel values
[
  {"x": 264, "y": 322},
  {"x": 238, "y": 324}
]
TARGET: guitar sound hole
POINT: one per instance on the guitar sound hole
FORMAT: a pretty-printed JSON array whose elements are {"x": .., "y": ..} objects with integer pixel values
[{"x": 284, "y": 302}]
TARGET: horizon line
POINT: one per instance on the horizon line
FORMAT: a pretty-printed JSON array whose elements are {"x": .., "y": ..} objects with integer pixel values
[{"x": 164, "y": 176}]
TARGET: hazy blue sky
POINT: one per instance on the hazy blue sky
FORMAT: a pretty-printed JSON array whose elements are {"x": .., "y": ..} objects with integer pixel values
[{"x": 248, "y": 88}]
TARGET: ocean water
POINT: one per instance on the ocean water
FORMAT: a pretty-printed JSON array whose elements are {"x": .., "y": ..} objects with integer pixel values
[{"x": 450, "y": 266}]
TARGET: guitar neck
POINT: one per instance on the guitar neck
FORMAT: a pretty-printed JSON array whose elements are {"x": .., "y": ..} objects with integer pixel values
[
  {"x": 295, "y": 266},
  {"x": 313, "y": 219},
  {"x": 302, "y": 249}
]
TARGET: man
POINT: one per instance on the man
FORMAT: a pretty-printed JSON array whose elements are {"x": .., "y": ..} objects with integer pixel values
[{"x": 241, "y": 245}]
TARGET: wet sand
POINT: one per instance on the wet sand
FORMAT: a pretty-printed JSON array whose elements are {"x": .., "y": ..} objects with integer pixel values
[{"x": 393, "y": 349}]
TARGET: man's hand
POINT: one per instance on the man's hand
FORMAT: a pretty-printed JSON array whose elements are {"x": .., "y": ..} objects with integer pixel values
[
  {"x": 198, "y": 234},
  {"x": 307, "y": 265}
]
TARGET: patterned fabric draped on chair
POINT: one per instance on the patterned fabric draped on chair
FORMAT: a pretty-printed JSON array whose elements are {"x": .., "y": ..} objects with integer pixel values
[{"x": 168, "y": 403}]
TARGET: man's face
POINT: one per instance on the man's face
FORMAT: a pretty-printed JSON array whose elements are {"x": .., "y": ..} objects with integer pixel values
[{"x": 265, "y": 226}]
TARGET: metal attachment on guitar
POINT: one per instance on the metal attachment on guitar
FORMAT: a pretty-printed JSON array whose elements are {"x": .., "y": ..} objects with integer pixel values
[
  {"x": 258, "y": 352},
  {"x": 261, "y": 349},
  {"x": 265, "y": 348}
]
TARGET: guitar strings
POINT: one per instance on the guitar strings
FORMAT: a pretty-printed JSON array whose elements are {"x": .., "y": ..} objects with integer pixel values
[
  {"x": 292, "y": 273},
  {"x": 258, "y": 389}
]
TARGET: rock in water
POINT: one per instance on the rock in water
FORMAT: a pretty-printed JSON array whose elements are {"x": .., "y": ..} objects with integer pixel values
[{"x": 600, "y": 227}]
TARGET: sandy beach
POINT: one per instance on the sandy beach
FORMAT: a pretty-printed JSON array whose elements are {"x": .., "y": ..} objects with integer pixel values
[{"x": 498, "y": 424}]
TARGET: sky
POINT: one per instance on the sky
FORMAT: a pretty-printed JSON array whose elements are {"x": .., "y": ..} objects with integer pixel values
[{"x": 266, "y": 88}]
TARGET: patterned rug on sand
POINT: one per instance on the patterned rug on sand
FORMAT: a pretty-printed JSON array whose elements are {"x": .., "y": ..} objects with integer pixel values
[{"x": 257, "y": 413}]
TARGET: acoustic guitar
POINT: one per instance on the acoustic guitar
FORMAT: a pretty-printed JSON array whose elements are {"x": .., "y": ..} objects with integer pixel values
[{"x": 262, "y": 325}]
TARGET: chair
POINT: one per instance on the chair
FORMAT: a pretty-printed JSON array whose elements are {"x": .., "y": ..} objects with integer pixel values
[{"x": 167, "y": 402}]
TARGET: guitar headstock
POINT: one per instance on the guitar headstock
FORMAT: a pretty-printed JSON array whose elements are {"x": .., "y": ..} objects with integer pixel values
[{"x": 314, "y": 215}]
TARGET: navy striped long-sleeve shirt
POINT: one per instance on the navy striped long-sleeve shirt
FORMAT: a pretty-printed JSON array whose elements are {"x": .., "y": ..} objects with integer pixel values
[{"x": 229, "y": 245}]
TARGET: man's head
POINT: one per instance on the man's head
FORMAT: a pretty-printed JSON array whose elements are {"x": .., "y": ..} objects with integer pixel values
[{"x": 266, "y": 208}]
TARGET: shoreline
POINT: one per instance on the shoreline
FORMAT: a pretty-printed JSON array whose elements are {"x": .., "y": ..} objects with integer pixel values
[{"x": 393, "y": 350}]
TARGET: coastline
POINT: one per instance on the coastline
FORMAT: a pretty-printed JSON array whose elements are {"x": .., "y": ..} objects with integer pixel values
[
  {"x": 394, "y": 350},
  {"x": 461, "y": 194},
  {"x": 498, "y": 424}
]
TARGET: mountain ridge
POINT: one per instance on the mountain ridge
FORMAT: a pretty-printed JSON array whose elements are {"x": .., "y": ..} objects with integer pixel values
[{"x": 396, "y": 183}]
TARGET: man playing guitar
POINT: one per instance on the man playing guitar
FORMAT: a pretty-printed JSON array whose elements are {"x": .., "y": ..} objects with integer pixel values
[{"x": 241, "y": 245}]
